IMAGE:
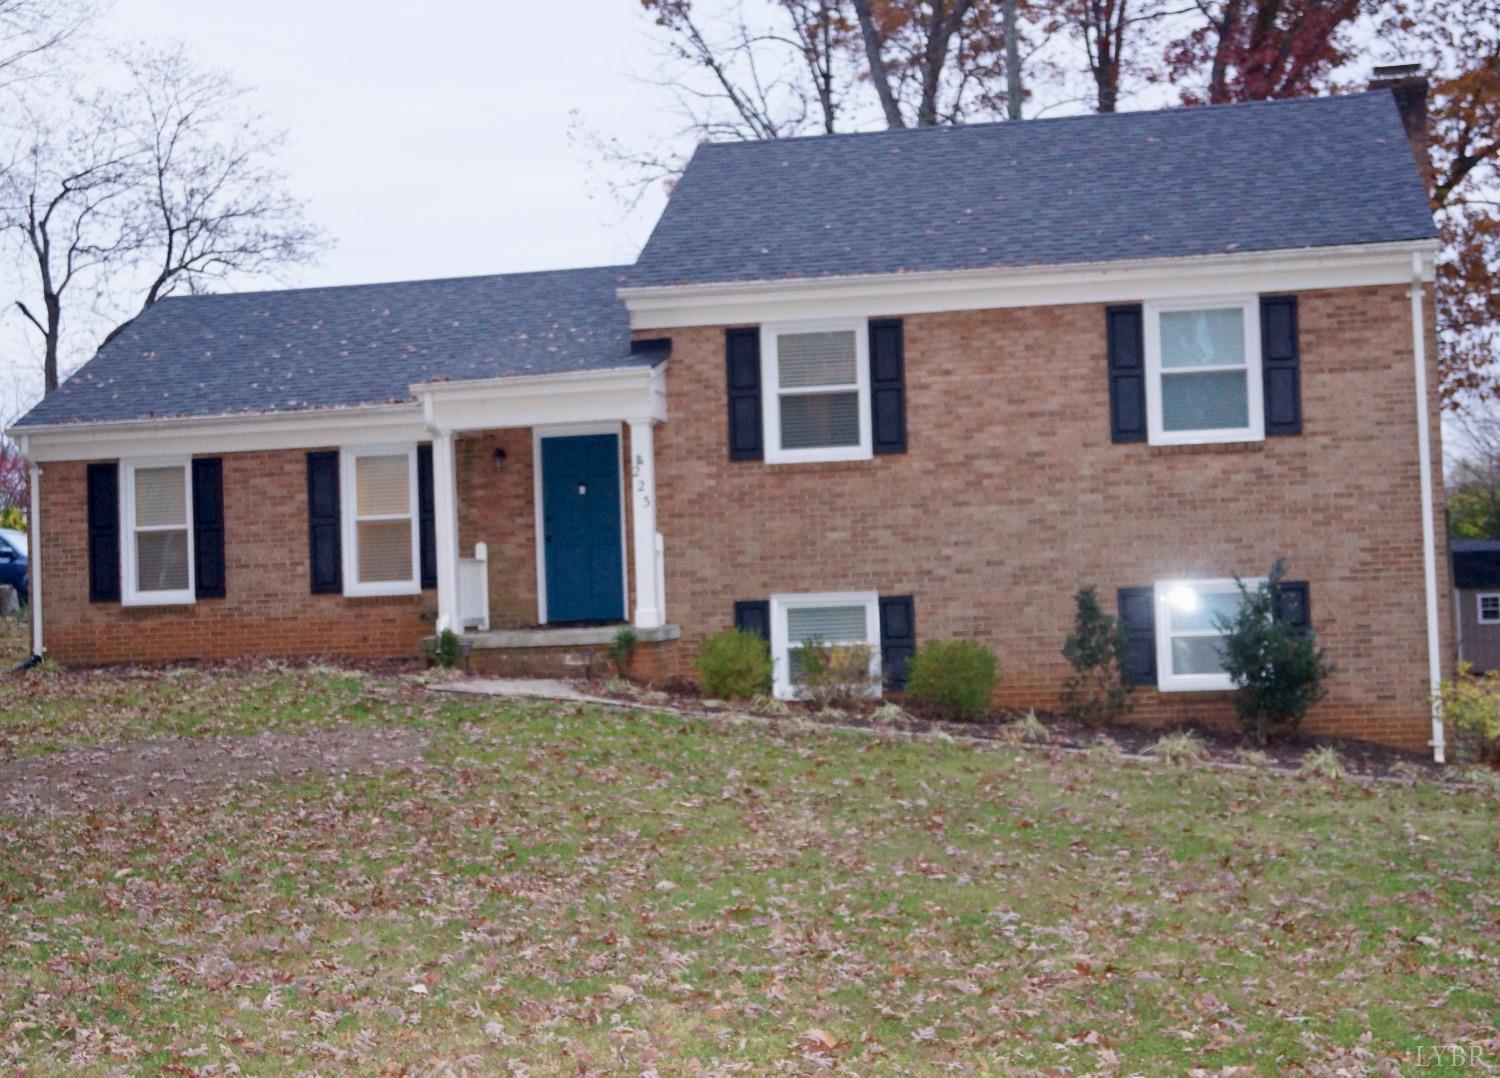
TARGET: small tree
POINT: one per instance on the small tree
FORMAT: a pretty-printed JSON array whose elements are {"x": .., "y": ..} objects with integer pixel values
[
  {"x": 1099, "y": 689},
  {"x": 1278, "y": 669}
]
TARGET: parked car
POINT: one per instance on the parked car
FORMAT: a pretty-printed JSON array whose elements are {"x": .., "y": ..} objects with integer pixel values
[{"x": 15, "y": 562}]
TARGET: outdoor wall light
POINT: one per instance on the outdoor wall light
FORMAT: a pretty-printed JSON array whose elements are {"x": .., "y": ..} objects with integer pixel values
[
  {"x": 1183, "y": 598},
  {"x": 497, "y": 459}
]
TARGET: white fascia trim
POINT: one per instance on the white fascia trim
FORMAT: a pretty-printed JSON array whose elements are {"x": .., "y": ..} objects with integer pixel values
[
  {"x": 876, "y": 295},
  {"x": 615, "y": 394},
  {"x": 378, "y": 424}
]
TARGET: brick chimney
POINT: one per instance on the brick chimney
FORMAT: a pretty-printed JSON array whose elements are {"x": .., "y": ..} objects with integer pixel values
[{"x": 1409, "y": 86}]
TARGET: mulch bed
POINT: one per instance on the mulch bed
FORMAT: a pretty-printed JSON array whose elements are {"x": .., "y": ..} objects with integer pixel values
[{"x": 1367, "y": 759}]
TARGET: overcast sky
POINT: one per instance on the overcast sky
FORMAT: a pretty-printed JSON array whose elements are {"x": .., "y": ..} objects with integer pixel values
[{"x": 432, "y": 139}]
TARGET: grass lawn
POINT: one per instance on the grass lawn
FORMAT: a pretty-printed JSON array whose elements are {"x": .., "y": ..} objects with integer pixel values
[{"x": 585, "y": 891}]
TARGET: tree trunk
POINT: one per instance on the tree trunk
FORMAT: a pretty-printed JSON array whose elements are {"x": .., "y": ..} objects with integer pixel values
[
  {"x": 875, "y": 58},
  {"x": 50, "y": 338},
  {"x": 1014, "y": 91}
]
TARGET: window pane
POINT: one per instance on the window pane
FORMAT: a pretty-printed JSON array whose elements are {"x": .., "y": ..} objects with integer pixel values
[
  {"x": 161, "y": 560},
  {"x": 160, "y": 497},
  {"x": 384, "y": 550},
  {"x": 1205, "y": 616},
  {"x": 1216, "y": 401},
  {"x": 1203, "y": 338},
  {"x": 816, "y": 359},
  {"x": 382, "y": 486},
  {"x": 830, "y": 624},
  {"x": 1197, "y": 655},
  {"x": 818, "y": 420}
]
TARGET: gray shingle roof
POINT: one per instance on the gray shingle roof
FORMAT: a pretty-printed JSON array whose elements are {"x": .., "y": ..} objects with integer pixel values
[
  {"x": 1253, "y": 177},
  {"x": 284, "y": 351}
]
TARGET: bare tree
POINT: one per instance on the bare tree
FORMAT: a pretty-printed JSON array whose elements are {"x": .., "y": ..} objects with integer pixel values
[
  {"x": 132, "y": 196},
  {"x": 210, "y": 203},
  {"x": 65, "y": 203},
  {"x": 33, "y": 29},
  {"x": 921, "y": 38}
]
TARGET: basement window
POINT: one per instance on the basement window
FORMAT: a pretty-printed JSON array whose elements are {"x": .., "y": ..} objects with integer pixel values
[
  {"x": 829, "y": 618},
  {"x": 1189, "y": 641}
]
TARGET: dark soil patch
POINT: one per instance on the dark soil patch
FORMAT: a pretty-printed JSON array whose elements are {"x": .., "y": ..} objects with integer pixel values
[{"x": 143, "y": 773}]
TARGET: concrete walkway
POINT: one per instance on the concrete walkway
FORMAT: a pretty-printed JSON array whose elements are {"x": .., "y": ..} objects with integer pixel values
[{"x": 532, "y": 688}]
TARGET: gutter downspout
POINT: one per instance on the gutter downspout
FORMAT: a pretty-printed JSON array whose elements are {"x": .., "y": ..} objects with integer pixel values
[
  {"x": 34, "y": 535},
  {"x": 1429, "y": 539}
]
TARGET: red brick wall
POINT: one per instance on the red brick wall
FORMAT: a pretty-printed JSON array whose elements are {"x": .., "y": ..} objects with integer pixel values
[
  {"x": 269, "y": 609},
  {"x": 1012, "y": 496},
  {"x": 496, "y": 506}
]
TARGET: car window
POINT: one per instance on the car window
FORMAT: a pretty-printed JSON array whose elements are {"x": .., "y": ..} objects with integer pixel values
[{"x": 15, "y": 540}]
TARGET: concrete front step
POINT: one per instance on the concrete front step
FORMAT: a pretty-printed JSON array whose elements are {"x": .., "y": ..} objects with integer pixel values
[{"x": 567, "y": 652}]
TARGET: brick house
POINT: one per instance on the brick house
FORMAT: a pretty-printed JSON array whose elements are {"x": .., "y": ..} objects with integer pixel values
[{"x": 888, "y": 388}]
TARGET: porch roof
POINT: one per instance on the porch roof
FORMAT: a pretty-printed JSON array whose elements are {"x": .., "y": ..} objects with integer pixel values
[{"x": 305, "y": 349}]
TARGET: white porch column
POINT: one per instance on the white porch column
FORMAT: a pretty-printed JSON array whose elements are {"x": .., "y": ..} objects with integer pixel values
[
  {"x": 445, "y": 529},
  {"x": 649, "y": 612}
]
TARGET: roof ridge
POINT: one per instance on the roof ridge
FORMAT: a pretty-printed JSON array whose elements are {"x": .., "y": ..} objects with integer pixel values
[
  {"x": 407, "y": 282},
  {"x": 1031, "y": 123}
]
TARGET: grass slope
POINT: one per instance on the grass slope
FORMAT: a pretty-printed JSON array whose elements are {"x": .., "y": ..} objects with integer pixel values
[{"x": 588, "y": 891}]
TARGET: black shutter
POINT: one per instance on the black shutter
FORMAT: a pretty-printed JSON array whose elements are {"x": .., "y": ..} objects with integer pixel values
[
  {"x": 1127, "y": 373},
  {"x": 104, "y": 532},
  {"x": 426, "y": 517},
  {"x": 1138, "y": 616},
  {"x": 898, "y": 638},
  {"x": 323, "y": 524},
  {"x": 208, "y": 527},
  {"x": 888, "y": 386},
  {"x": 1294, "y": 605},
  {"x": 742, "y": 368},
  {"x": 1280, "y": 365},
  {"x": 754, "y": 616}
]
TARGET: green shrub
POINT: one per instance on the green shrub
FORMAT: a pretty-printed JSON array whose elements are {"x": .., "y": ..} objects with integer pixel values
[
  {"x": 1472, "y": 704},
  {"x": 1098, "y": 691},
  {"x": 448, "y": 652},
  {"x": 955, "y": 677},
  {"x": 622, "y": 650},
  {"x": 833, "y": 675},
  {"x": 1277, "y": 669},
  {"x": 734, "y": 665},
  {"x": 13, "y": 517}
]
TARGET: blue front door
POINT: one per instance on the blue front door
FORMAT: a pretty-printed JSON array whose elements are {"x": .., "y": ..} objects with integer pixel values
[{"x": 581, "y": 528}]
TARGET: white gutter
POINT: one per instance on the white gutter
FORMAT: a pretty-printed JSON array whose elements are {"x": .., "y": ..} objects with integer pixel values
[
  {"x": 34, "y": 555},
  {"x": 1429, "y": 539}
]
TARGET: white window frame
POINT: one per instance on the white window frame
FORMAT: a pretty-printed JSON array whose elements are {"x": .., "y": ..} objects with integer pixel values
[
  {"x": 1166, "y": 681},
  {"x": 771, "y": 391},
  {"x": 1255, "y": 430},
  {"x": 781, "y": 667},
  {"x": 353, "y": 586},
  {"x": 130, "y": 592},
  {"x": 1479, "y": 599}
]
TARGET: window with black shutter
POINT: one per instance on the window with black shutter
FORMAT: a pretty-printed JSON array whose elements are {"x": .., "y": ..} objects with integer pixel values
[
  {"x": 104, "y": 532},
  {"x": 324, "y": 523},
  {"x": 1127, "y": 373},
  {"x": 1281, "y": 373},
  {"x": 208, "y": 528},
  {"x": 898, "y": 638},
  {"x": 888, "y": 386},
  {"x": 1138, "y": 617},
  {"x": 742, "y": 372},
  {"x": 754, "y": 616}
]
